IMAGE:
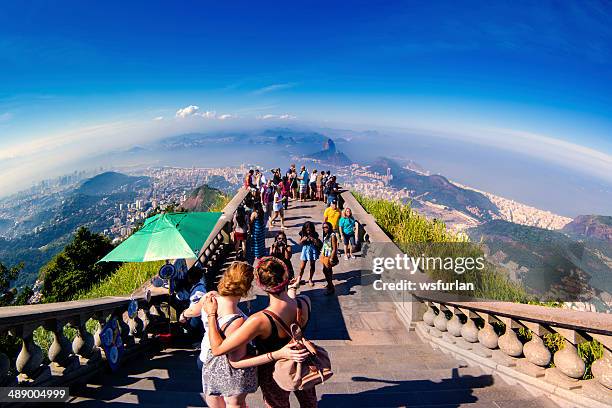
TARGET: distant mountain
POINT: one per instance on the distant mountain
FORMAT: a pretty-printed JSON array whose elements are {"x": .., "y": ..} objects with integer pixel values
[
  {"x": 106, "y": 183},
  {"x": 41, "y": 235},
  {"x": 291, "y": 135},
  {"x": 221, "y": 183},
  {"x": 202, "y": 199},
  {"x": 438, "y": 189},
  {"x": 591, "y": 226},
  {"x": 330, "y": 155},
  {"x": 549, "y": 263},
  {"x": 5, "y": 224},
  {"x": 282, "y": 136}
]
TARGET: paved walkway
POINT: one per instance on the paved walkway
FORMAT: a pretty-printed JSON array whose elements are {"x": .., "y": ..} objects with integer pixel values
[{"x": 376, "y": 360}]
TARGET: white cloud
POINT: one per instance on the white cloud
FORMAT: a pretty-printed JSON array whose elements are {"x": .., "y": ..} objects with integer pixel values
[
  {"x": 158, "y": 118},
  {"x": 270, "y": 116},
  {"x": 272, "y": 88},
  {"x": 187, "y": 111},
  {"x": 208, "y": 114},
  {"x": 225, "y": 116}
]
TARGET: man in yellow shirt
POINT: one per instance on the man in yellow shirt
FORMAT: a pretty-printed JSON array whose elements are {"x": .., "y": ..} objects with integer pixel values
[{"x": 332, "y": 215}]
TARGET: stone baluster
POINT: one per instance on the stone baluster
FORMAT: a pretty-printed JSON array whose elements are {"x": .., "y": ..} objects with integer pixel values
[
  {"x": 83, "y": 344},
  {"x": 440, "y": 321},
  {"x": 487, "y": 336},
  {"x": 510, "y": 347},
  {"x": 536, "y": 353},
  {"x": 567, "y": 361},
  {"x": 127, "y": 339},
  {"x": 602, "y": 367},
  {"x": 469, "y": 331},
  {"x": 60, "y": 351},
  {"x": 429, "y": 315},
  {"x": 101, "y": 318},
  {"x": 30, "y": 358},
  {"x": 147, "y": 320},
  {"x": 454, "y": 325},
  {"x": 509, "y": 342},
  {"x": 136, "y": 326}
]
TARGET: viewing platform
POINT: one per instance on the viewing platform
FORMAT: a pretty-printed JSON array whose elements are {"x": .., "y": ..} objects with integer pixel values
[{"x": 400, "y": 352}]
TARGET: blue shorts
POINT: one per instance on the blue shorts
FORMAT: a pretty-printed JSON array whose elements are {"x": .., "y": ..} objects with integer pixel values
[
  {"x": 309, "y": 253},
  {"x": 349, "y": 238}
]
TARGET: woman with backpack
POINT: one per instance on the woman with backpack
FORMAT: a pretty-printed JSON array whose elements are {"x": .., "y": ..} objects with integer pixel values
[
  {"x": 222, "y": 384},
  {"x": 267, "y": 329}
]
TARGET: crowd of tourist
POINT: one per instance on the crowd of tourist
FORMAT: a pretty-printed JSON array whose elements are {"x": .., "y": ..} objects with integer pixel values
[{"x": 239, "y": 352}]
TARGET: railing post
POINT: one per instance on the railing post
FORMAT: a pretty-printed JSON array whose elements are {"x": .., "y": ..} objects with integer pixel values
[
  {"x": 136, "y": 326},
  {"x": 536, "y": 353},
  {"x": 83, "y": 344},
  {"x": 440, "y": 320},
  {"x": 469, "y": 331},
  {"x": 602, "y": 369},
  {"x": 30, "y": 358},
  {"x": 454, "y": 325},
  {"x": 509, "y": 342},
  {"x": 429, "y": 315},
  {"x": 60, "y": 351},
  {"x": 567, "y": 361},
  {"x": 124, "y": 329},
  {"x": 487, "y": 336},
  {"x": 101, "y": 318}
]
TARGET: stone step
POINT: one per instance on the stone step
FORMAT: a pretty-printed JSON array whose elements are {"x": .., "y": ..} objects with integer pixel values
[
  {"x": 107, "y": 395},
  {"x": 469, "y": 398}
]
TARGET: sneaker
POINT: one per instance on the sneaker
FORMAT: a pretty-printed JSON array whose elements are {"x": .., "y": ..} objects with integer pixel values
[
  {"x": 352, "y": 256},
  {"x": 346, "y": 257}
]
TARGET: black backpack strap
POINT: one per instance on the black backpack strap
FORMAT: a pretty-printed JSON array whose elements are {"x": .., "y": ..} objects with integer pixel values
[
  {"x": 228, "y": 323},
  {"x": 280, "y": 321}
]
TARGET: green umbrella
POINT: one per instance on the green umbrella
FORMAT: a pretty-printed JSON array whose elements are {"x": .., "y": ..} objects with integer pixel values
[{"x": 166, "y": 236}]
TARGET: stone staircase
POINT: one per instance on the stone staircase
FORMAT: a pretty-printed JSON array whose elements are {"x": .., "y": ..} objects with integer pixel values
[
  {"x": 377, "y": 361},
  {"x": 406, "y": 375}
]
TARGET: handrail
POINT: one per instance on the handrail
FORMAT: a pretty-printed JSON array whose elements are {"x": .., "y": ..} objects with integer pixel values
[
  {"x": 481, "y": 344},
  {"x": 593, "y": 322},
  {"x": 221, "y": 224},
  {"x": 19, "y": 315},
  {"x": 76, "y": 360}
]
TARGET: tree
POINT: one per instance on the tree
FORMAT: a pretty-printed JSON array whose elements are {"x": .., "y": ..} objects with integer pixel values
[
  {"x": 7, "y": 276},
  {"x": 75, "y": 269}
]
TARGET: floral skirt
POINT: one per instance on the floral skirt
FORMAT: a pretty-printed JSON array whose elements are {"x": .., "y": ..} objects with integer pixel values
[{"x": 219, "y": 378}]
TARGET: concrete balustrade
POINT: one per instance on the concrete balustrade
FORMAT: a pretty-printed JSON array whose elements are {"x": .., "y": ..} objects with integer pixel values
[
  {"x": 68, "y": 360},
  {"x": 529, "y": 364},
  {"x": 84, "y": 356}
]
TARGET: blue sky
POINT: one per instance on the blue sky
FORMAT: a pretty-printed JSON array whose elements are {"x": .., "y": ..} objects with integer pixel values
[{"x": 72, "y": 71}]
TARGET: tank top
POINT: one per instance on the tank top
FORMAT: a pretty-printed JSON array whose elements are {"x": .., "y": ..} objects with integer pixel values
[
  {"x": 274, "y": 341},
  {"x": 327, "y": 248},
  {"x": 221, "y": 321}
]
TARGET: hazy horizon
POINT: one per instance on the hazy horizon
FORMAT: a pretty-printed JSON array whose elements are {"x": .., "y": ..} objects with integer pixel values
[{"x": 547, "y": 186}]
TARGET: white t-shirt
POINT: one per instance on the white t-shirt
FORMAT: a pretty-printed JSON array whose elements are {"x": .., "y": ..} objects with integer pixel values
[{"x": 221, "y": 320}]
